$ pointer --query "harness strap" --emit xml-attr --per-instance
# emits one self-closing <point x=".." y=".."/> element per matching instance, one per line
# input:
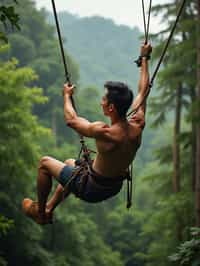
<point x="105" y="181"/>
<point x="129" y="187"/>
<point x="79" y="171"/>
<point x="84" y="171"/>
<point x="83" y="178"/>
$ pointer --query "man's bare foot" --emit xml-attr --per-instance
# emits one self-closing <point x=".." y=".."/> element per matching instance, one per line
<point x="30" y="208"/>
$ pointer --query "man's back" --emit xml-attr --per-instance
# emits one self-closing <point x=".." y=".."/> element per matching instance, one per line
<point x="114" y="155"/>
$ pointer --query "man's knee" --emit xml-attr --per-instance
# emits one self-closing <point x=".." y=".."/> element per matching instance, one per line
<point x="44" y="161"/>
<point x="70" y="162"/>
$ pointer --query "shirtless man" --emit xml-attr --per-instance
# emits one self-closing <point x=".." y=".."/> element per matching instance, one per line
<point x="116" y="145"/>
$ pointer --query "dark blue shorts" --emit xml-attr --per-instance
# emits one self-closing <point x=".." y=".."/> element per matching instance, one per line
<point x="91" y="193"/>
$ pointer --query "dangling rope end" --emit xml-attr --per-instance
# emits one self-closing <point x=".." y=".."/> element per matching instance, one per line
<point x="129" y="187"/>
<point x="129" y="204"/>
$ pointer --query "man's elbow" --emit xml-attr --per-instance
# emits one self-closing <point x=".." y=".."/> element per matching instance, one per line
<point x="141" y="117"/>
<point x="71" y="122"/>
<point x="142" y="124"/>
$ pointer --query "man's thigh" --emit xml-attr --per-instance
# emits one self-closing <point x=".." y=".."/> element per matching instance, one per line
<point x="70" y="162"/>
<point x="53" y="166"/>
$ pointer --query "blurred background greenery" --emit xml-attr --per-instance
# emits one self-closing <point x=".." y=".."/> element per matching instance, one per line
<point x="166" y="171"/>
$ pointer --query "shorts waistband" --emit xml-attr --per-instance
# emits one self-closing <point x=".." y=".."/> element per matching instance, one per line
<point x="106" y="181"/>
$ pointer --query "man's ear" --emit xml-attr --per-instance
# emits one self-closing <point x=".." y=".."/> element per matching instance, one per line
<point x="111" y="107"/>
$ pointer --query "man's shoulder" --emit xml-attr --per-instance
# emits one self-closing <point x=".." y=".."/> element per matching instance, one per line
<point x="138" y="119"/>
<point x="137" y="124"/>
<point x="99" y="128"/>
<point x="99" y="124"/>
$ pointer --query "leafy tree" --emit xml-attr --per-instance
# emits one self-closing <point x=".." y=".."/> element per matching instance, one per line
<point x="8" y="16"/>
<point x="18" y="163"/>
<point x="188" y="253"/>
<point x="92" y="42"/>
<point x="81" y="242"/>
<point x="41" y="51"/>
<point x="19" y="149"/>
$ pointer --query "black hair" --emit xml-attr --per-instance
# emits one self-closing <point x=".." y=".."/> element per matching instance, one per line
<point x="120" y="95"/>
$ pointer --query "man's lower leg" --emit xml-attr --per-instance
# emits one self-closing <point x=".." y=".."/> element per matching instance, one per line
<point x="57" y="198"/>
<point x="44" y="185"/>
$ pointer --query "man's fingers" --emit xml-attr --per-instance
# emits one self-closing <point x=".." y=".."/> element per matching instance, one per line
<point x="68" y="89"/>
<point x="70" y="86"/>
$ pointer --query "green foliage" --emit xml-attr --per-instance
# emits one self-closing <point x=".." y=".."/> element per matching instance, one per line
<point x="167" y="215"/>
<point x="92" y="42"/>
<point x="189" y="251"/>
<point x="71" y="246"/>
<point x="85" y="234"/>
<point x="81" y="242"/>
<point x="179" y="65"/>
<point x="5" y="225"/>
<point x="41" y="51"/>
<point x="123" y="234"/>
<point x="19" y="149"/>
<point x="8" y="15"/>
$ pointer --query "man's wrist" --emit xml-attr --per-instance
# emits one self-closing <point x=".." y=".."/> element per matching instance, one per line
<point x="141" y="58"/>
<point x="66" y="95"/>
<point x="147" y="57"/>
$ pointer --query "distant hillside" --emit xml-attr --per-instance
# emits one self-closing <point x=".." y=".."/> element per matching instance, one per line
<point x="104" y="50"/>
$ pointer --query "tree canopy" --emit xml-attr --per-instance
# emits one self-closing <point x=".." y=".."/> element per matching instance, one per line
<point x="161" y="228"/>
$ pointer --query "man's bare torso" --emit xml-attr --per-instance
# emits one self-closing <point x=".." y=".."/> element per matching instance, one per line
<point x="114" y="156"/>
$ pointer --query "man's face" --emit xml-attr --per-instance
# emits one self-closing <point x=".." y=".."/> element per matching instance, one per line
<point x="106" y="107"/>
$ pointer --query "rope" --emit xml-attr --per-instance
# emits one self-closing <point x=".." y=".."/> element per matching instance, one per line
<point x="84" y="148"/>
<point x="146" y="26"/>
<point x="61" y="43"/>
<point x="161" y="58"/>
<point x="129" y="186"/>
<point x="67" y="76"/>
<point x="146" y="30"/>
<point x="149" y="17"/>
<point x="167" y="43"/>
<point x="144" y="21"/>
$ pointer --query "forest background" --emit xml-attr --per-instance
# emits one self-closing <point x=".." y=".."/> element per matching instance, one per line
<point x="162" y="228"/>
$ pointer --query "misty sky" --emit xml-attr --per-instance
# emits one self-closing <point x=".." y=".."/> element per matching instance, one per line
<point x="128" y="12"/>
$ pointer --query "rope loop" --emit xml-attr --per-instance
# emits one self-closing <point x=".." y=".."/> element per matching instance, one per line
<point x="146" y="25"/>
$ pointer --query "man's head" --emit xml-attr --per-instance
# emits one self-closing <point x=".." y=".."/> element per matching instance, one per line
<point x="118" y="98"/>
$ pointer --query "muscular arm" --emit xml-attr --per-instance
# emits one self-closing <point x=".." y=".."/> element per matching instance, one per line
<point x="81" y="125"/>
<point x="143" y="87"/>
<point x="69" y="112"/>
<point x="139" y="104"/>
